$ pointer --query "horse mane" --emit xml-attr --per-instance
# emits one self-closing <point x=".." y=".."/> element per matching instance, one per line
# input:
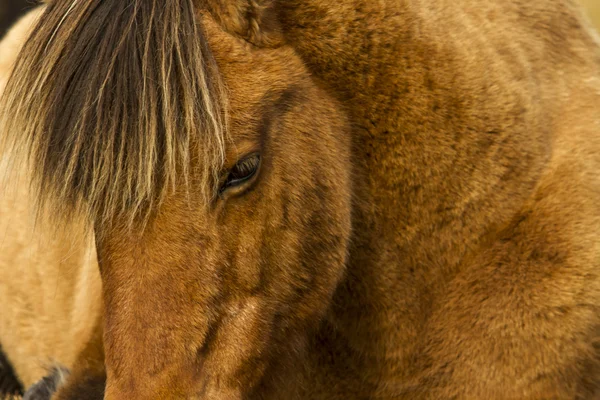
<point x="110" y="101"/>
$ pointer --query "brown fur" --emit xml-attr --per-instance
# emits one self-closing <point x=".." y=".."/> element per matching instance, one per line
<point x="424" y="224"/>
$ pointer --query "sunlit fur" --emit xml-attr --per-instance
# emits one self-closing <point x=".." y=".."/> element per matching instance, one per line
<point x="424" y="224"/>
<point x="49" y="279"/>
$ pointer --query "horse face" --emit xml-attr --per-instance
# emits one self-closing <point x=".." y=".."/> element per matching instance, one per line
<point x="209" y="299"/>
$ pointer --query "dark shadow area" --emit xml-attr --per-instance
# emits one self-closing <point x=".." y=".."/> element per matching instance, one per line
<point x="11" y="10"/>
<point x="9" y="384"/>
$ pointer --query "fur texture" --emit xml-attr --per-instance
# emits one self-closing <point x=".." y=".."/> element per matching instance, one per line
<point x="424" y="223"/>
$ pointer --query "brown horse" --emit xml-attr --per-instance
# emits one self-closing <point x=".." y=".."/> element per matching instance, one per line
<point x="319" y="199"/>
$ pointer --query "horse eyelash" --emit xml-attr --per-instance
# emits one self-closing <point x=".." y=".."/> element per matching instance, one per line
<point x="247" y="165"/>
<point x="246" y="168"/>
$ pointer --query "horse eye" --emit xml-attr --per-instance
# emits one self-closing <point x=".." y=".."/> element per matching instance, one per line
<point x="242" y="172"/>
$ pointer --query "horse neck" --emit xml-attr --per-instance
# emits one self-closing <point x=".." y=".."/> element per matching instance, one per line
<point x="449" y="144"/>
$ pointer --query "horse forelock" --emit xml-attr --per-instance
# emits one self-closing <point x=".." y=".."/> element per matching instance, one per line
<point x="110" y="101"/>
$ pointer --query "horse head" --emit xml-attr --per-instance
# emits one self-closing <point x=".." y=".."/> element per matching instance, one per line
<point x="216" y="174"/>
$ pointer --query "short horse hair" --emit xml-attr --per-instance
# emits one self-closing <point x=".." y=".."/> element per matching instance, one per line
<point x="111" y="100"/>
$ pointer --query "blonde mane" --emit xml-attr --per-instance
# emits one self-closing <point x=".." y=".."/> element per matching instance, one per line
<point x="111" y="101"/>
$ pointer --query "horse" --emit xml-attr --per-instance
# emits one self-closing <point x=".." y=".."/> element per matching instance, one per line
<point x="316" y="199"/>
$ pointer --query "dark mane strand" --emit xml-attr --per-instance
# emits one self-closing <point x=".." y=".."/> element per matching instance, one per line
<point x="108" y="98"/>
